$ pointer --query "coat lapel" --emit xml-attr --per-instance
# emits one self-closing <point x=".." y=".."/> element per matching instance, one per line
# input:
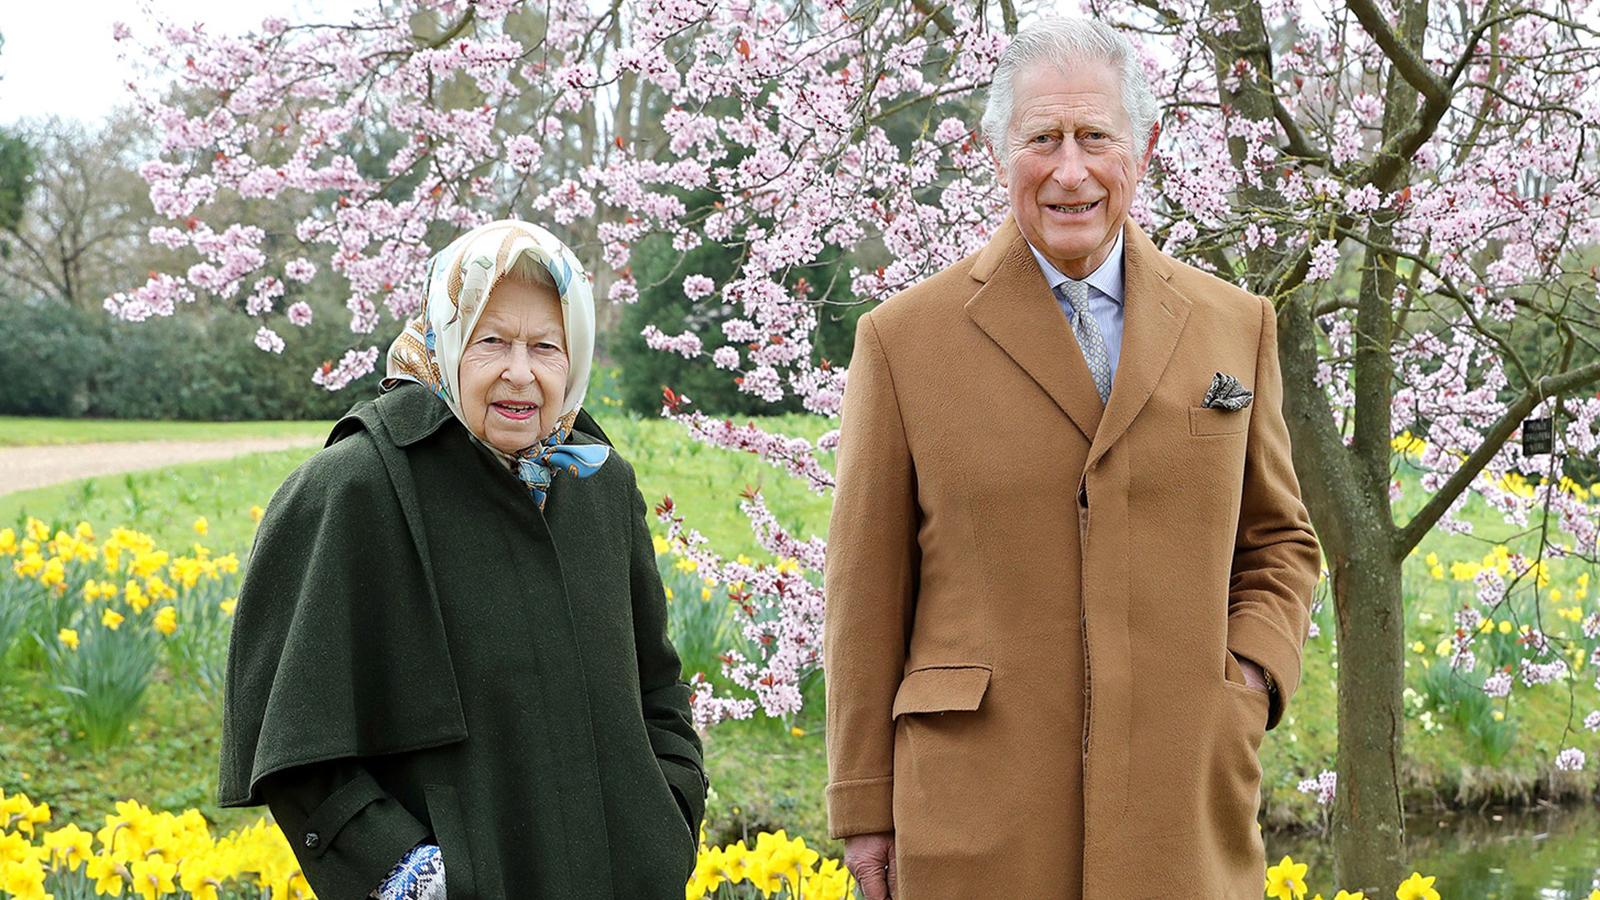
<point x="1154" y="314"/>
<point x="1017" y="310"/>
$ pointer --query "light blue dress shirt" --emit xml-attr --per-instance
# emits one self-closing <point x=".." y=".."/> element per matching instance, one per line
<point x="1105" y="297"/>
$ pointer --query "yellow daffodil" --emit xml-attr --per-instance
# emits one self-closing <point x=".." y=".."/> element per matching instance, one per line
<point x="36" y="530"/>
<point x="158" y="589"/>
<point x="54" y="574"/>
<point x="166" y="620"/>
<point x="68" y="637"/>
<point x="201" y="526"/>
<point x="227" y="606"/>
<point x="28" y="565"/>
<point x="1287" y="880"/>
<point x="256" y="512"/>
<point x="23" y="880"/>
<point x="1346" y="895"/>
<point x="136" y="597"/>
<point x="660" y="544"/>
<point x="70" y="845"/>
<point x="1417" y="888"/>
<point x="1505" y="626"/>
<point x="112" y="619"/>
<point x="108" y="875"/>
<point x="154" y="877"/>
<point x="8" y="542"/>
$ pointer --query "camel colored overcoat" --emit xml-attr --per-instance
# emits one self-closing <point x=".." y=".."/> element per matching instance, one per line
<point x="1035" y="603"/>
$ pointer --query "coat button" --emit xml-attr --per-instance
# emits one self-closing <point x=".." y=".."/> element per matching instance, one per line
<point x="312" y="840"/>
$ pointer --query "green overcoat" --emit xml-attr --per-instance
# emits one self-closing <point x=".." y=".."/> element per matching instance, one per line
<point x="421" y="653"/>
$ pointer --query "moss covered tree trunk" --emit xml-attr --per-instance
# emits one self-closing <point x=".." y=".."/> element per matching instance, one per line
<point x="1368" y="820"/>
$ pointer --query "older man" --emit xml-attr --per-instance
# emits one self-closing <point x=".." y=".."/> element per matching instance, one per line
<point x="1069" y="571"/>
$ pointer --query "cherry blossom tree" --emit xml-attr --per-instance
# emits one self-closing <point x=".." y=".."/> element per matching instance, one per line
<point x="1414" y="187"/>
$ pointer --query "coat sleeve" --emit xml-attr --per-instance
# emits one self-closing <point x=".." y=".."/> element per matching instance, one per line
<point x="346" y="831"/>
<point x="870" y="585"/>
<point x="1276" y="559"/>
<point x="663" y="693"/>
<point x="338" y="648"/>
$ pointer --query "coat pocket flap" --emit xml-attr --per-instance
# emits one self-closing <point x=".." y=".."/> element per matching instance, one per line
<point x="930" y="689"/>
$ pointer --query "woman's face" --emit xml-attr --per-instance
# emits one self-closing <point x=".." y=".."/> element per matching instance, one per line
<point x="514" y="370"/>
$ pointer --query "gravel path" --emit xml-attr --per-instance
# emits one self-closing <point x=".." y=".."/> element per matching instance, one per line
<point x="25" y="468"/>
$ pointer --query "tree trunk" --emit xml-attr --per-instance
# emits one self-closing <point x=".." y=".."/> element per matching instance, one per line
<point x="1368" y="822"/>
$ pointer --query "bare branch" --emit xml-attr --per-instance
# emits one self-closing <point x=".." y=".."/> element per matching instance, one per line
<point x="1410" y="66"/>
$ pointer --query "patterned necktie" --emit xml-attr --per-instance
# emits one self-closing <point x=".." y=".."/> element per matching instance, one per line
<point x="1087" y="331"/>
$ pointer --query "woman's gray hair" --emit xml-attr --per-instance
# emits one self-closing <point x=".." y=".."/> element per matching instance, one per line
<point x="1063" y="42"/>
<point x="528" y="269"/>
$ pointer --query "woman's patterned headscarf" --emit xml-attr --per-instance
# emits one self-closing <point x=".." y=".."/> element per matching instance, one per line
<point x="460" y="278"/>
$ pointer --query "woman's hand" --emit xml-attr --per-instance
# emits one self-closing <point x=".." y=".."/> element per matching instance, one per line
<point x="870" y="858"/>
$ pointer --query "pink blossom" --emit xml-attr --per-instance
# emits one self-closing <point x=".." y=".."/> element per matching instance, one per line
<point x="698" y="286"/>
<point x="299" y="314"/>
<point x="1497" y="685"/>
<point x="523" y="152"/>
<point x="268" y="340"/>
<point x="301" y="270"/>
<point x="1323" y="787"/>
<point x="1324" y="257"/>
<point x="354" y="364"/>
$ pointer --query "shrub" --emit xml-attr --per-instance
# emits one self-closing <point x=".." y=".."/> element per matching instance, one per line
<point x="58" y="361"/>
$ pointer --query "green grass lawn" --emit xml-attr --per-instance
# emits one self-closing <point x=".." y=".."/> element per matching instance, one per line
<point x="764" y="776"/>
<point x="704" y="483"/>
<point x="28" y="432"/>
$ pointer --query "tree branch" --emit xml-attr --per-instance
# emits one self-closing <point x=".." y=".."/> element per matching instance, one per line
<point x="1410" y="66"/>
<point x="450" y="33"/>
<point x="1298" y="144"/>
<point x="1547" y="387"/>
<point x="939" y="14"/>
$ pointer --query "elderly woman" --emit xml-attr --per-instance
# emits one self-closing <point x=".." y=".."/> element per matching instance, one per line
<point x="450" y="659"/>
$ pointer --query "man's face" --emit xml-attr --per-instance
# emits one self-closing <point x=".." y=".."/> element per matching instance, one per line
<point x="1071" y="161"/>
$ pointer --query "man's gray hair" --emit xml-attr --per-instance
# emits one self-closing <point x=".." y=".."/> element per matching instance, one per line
<point x="1066" y="42"/>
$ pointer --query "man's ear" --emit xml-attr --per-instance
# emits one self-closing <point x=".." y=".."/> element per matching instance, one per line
<point x="1150" y="147"/>
<point x="999" y="167"/>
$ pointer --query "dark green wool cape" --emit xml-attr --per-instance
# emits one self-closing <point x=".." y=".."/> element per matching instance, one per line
<point x="420" y="653"/>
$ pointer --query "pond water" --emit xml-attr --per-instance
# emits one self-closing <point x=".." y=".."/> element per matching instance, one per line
<point x="1550" y="854"/>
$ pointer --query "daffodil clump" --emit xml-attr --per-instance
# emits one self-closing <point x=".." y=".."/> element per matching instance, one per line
<point x="141" y="853"/>
<point x="98" y="616"/>
<point x="1287" y="881"/>
<point x="777" y="866"/>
